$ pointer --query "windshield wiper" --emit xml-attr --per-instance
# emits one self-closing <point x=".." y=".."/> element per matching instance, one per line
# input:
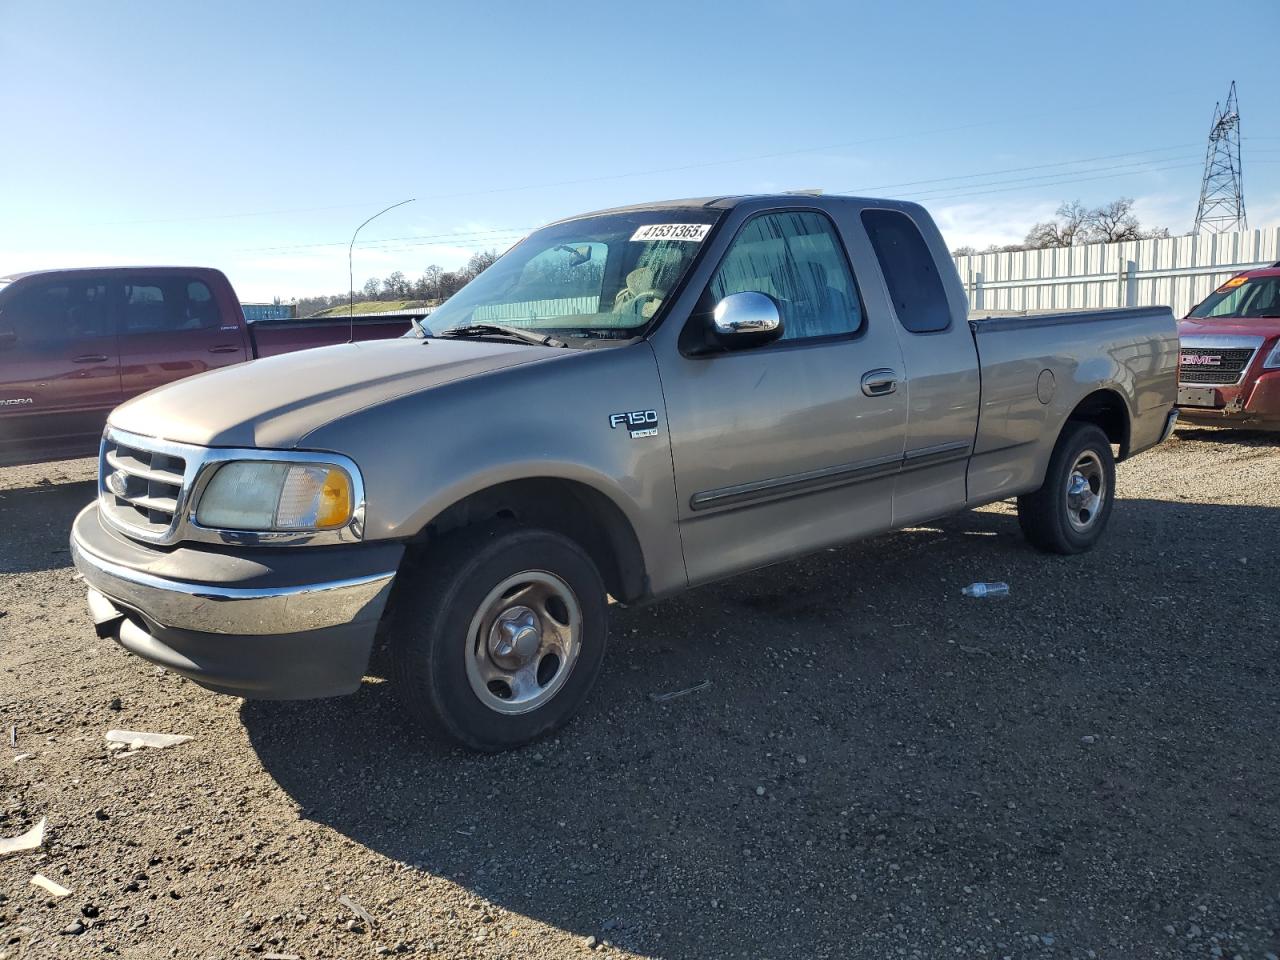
<point x="468" y="330"/>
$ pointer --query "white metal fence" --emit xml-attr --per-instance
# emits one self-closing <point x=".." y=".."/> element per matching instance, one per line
<point x="1179" y="272"/>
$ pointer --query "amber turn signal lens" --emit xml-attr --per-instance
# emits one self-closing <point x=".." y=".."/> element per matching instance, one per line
<point x="335" y="500"/>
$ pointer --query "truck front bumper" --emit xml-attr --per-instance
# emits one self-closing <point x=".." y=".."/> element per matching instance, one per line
<point x="283" y="623"/>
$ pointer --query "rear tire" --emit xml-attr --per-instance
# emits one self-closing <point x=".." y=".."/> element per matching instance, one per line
<point x="1070" y="510"/>
<point x="498" y="635"/>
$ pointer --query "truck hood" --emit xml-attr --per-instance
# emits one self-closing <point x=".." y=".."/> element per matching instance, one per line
<point x="274" y="403"/>
<point x="1230" y="326"/>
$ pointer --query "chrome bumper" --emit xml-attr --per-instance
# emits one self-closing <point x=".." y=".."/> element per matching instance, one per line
<point x="257" y="611"/>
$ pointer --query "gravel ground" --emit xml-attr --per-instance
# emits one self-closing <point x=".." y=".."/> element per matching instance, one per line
<point x="879" y="767"/>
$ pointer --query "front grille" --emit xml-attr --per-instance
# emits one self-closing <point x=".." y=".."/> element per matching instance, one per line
<point x="141" y="487"/>
<point x="1229" y="367"/>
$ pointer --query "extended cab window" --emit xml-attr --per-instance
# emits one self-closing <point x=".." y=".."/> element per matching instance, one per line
<point x="797" y="259"/>
<point x="167" y="304"/>
<point x="909" y="271"/>
<point x="58" y="310"/>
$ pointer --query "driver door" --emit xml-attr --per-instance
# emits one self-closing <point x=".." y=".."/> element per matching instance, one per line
<point x="777" y="449"/>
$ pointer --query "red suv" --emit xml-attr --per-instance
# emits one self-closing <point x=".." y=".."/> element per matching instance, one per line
<point x="1229" y="371"/>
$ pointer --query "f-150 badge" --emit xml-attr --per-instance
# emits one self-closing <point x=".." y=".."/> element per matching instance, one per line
<point x="639" y="423"/>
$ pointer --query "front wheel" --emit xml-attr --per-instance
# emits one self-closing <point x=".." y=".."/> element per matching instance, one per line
<point x="498" y="635"/>
<point x="1070" y="510"/>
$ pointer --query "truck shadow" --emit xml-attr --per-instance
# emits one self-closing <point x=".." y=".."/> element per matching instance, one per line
<point x="870" y="739"/>
<point x="38" y="518"/>
<point x="1229" y="435"/>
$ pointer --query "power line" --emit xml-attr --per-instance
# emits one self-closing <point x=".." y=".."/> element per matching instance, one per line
<point x="498" y="234"/>
<point x="634" y="173"/>
<point x="1038" y="166"/>
<point x="1106" y="176"/>
<point x="1050" y="179"/>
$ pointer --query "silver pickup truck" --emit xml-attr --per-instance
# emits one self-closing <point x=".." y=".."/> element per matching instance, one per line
<point x="627" y="404"/>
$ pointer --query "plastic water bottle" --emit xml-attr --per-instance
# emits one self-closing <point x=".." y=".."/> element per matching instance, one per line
<point x="986" y="590"/>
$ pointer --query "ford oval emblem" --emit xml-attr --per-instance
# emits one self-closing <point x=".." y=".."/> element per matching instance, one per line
<point x="117" y="482"/>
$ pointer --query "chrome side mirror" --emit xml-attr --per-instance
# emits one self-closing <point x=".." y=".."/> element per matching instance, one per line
<point x="746" y="319"/>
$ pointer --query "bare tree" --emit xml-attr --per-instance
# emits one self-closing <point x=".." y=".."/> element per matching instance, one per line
<point x="1115" y="222"/>
<point x="396" y="286"/>
<point x="1110" y="223"/>
<point x="429" y="283"/>
<point x="479" y="263"/>
<point x="1062" y="232"/>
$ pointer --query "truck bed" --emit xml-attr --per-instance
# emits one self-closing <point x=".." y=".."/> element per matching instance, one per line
<point x="1032" y="366"/>
<point x="272" y="337"/>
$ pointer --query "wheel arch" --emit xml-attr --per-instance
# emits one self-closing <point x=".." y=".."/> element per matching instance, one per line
<point x="1107" y="409"/>
<point x="573" y="508"/>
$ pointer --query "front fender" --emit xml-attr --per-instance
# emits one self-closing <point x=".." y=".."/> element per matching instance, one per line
<point x="420" y="454"/>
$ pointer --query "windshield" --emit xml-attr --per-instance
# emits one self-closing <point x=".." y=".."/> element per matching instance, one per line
<point x="600" y="277"/>
<point x="1242" y="297"/>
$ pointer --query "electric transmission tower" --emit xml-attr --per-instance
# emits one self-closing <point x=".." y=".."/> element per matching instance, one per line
<point x="1222" y="189"/>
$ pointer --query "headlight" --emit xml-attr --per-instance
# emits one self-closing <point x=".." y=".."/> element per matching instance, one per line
<point x="267" y="495"/>
<point x="1273" y="358"/>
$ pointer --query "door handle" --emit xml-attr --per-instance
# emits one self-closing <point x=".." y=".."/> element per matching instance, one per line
<point x="224" y="348"/>
<point x="879" y="383"/>
<point x="90" y="358"/>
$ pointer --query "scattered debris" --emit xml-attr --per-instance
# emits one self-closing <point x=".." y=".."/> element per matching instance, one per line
<point x="358" y="910"/>
<point x="49" y="887"/>
<point x="21" y="756"/>
<point x="115" y="704"/>
<point x="30" y="840"/>
<point x="986" y="590"/>
<point x="74" y="928"/>
<point x="1089" y="738"/>
<point x="664" y="697"/>
<point x="136" y="740"/>
<point x="974" y="650"/>
<point x="280" y="956"/>
<point x="13" y="736"/>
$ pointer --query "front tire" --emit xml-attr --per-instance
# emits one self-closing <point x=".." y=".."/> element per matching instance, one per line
<point x="498" y="635"/>
<point x="1070" y="510"/>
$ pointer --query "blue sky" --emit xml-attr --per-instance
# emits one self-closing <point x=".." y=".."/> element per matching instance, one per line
<point x="254" y="137"/>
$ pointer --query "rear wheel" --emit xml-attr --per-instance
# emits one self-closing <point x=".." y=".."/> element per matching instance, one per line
<point x="499" y="635"/>
<point x="1070" y="511"/>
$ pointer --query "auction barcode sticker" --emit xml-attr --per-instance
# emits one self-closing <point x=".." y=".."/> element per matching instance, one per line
<point x="693" y="232"/>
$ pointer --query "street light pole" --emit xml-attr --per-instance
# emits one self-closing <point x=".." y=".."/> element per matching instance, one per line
<point x="351" y="277"/>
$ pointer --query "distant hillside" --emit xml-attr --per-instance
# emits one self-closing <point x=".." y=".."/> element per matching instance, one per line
<point x="372" y="306"/>
<point x="398" y="292"/>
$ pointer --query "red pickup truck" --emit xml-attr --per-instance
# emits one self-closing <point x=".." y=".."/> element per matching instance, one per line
<point x="1229" y="368"/>
<point x="76" y="343"/>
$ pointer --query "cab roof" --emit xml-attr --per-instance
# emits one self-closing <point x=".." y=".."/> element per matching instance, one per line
<point x="9" y="278"/>
<point x="728" y="202"/>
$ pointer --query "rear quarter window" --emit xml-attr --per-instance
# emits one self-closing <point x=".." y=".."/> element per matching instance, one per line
<point x="167" y="304"/>
<point x="910" y="272"/>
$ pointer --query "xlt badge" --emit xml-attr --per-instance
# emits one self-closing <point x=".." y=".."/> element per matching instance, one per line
<point x="639" y="423"/>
